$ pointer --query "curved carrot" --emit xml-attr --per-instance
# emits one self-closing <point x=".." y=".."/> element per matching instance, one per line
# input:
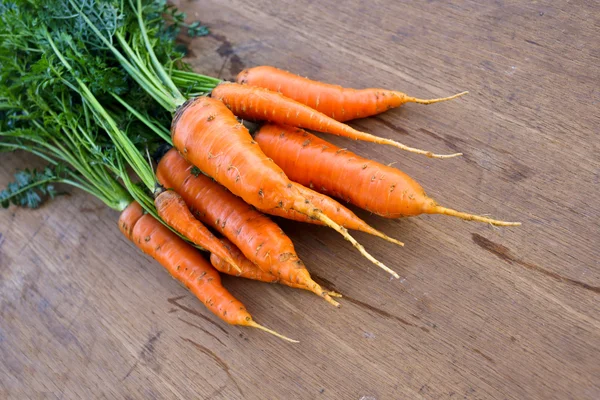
<point x="259" y="238"/>
<point x="250" y="270"/>
<point x="173" y="210"/>
<point x="186" y="265"/>
<point x="256" y="103"/>
<point x="337" y="102"/>
<point x="340" y="214"/>
<point x="375" y="187"/>
<point x="209" y="136"/>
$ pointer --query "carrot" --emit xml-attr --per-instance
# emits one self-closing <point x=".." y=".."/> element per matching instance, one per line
<point x="173" y="210"/>
<point x="375" y="187"/>
<point x="339" y="103"/>
<point x="259" y="238"/>
<point x="210" y="137"/>
<point x="340" y="214"/>
<point x="256" y="103"/>
<point x="251" y="270"/>
<point x="186" y="265"/>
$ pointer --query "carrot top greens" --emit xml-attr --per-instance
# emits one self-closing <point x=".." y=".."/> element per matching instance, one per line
<point x="61" y="74"/>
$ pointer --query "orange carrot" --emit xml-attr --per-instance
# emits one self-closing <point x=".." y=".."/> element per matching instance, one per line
<point x="375" y="187"/>
<point x="256" y="103"/>
<point x="251" y="270"/>
<point x="210" y="137"/>
<point x="339" y="103"/>
<point x="259" y="238"/>
<point x="340" y="214"/>
<point x="186" y="265"/>
<point x="173" y="210"/>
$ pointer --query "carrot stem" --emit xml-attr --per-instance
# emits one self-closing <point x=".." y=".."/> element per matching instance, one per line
<point x="469" y="217"/>
<point x="253" y="324"/>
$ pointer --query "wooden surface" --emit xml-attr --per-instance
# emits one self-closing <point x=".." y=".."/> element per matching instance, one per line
<point x="482" y="313"/>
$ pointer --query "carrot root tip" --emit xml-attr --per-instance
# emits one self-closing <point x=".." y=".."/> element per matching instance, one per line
<point x="418" y="151"/>
<point x="327" y="221"/>
<point x="432" y="101"/>
<point x="253" y="324"/>
<point x="389" y="239"/>
<point x="325" y="294"/>
<point x="331" y="301"/>
<point x="470" y="217"/>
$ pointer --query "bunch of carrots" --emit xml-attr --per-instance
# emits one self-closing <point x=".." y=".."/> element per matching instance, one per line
<point x="213" y="189"/>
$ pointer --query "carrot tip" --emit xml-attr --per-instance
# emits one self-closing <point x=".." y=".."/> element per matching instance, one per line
<point x="342" y="231"/>
<point x="390" y="239"/>
<point x="318" y="290"/>
<point x="444" y="156"/>
<point x="470" y="217"/>
<point x="418" y="151"/>
<point x="432" y="101"/>
<point x="253" y="324"/>
<point x="372" y="231"/>
<point x="330" y="300"/>
<point x="334" y="294"/>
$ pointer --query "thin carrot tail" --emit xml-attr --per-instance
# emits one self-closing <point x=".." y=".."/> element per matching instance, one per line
<point x="372" y="231"/>
<point x="334" y="294"/>
<point x="344" y="232"/>
<point x="469" y="217"/>
<point x="253" y="324"/>
<point x="409" y="99"/>
<point x="318" y="290"/>
<point x="415" y="150"/>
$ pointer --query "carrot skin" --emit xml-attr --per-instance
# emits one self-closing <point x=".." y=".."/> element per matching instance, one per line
<point x="173" y="210"/>
<point x="336" y="211"/>
<point x="378" y="188"/>
<point x="316" y="163"/>
<point x="183" y="262"/>
<point x="255" y="103"/>
<point x="259" y="238"/>
<point x="249" y="270"/>
<point x="210" y="137"/>
<point x="337" y="102"/>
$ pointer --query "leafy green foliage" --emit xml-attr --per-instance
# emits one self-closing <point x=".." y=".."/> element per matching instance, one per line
<point x="31" y="187"/>
<point x="48" y="50"/>
<point x="171" y="22"/>
<point x="195" y="171"/>
<point x="195" y="29"/>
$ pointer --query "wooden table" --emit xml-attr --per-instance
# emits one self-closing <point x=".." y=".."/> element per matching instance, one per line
<point x="482" y="312"/>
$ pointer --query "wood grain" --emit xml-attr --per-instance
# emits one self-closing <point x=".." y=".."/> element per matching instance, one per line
<point x="482" y="313"/>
